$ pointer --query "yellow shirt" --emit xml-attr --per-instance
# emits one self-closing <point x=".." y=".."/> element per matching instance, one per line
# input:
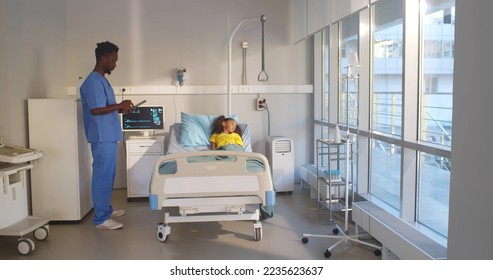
<point x="223" y="139"/>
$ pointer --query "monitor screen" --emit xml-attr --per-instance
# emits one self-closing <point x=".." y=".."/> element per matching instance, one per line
<point x="144" y="118"/>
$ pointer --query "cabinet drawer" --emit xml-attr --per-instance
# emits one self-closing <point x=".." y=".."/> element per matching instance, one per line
<point x="145" y="147"/>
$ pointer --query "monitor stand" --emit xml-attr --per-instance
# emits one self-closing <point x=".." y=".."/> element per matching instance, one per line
<point x="143" y="135"/>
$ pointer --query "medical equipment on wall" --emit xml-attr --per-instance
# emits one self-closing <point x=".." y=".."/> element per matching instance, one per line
<point x="180" y="76"/>
<point x="244" y="46"/>
<point x="14" y="218"/>
<point x="262" y="19"/>
<point x="262" y="76"/>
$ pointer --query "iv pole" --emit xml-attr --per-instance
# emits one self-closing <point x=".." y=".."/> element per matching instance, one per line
<point x="349" y="145"/>
<point x="262" y="19"/>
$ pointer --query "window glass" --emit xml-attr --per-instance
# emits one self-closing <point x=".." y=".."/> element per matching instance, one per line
<point x="349" y="41"/>
<point x="325" y="99"/>
<point x="438" y="24"/>
<point x="385" y="172"/>
<point x="387" y="67"/>
<point x="433" y="192"/>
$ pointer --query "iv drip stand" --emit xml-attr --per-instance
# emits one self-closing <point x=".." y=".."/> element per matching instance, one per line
<point x="345" y="236"/>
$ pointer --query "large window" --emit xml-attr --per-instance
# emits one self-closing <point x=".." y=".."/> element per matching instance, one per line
<point x="404" y="128"/>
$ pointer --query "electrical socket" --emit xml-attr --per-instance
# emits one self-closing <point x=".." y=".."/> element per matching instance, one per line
<point x="72" y="91"/>
<point x="260" y="103"/>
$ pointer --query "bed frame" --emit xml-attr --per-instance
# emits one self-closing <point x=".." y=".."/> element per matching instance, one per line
<point x="211" y="190"/>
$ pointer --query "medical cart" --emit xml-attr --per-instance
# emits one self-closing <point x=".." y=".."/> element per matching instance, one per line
<point x="14" y="218"/>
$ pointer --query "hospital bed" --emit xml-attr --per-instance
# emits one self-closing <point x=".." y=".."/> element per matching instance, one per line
<point x="205" y="186"/>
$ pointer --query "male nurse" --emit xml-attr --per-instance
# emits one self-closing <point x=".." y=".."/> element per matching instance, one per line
<point x="103" y="131"/>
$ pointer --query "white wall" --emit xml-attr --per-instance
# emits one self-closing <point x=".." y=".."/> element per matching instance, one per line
<point x="156" y="37"/>
<point x="313" y="15"/>
<point x="32" y="60"/>
<point x="471" y="191"/>
<point x="47" y="44"/>
<point x="4" y="105"/>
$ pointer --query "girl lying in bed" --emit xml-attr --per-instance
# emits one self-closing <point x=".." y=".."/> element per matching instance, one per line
<point x="226" y="134"/>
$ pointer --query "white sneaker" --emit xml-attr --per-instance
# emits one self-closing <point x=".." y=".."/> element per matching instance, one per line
<point x="110" y="224"/>
<point x="117" y="213"/>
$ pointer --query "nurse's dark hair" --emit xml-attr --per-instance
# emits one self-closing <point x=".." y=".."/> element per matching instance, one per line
<point x="105" y="48"/>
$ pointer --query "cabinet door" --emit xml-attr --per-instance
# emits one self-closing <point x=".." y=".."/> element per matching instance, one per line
<point x="139" y="171"/>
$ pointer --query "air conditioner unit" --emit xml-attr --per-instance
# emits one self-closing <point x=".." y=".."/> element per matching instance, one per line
<point x="280" y="153"/>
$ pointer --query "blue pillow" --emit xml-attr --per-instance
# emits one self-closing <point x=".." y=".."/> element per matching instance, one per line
<point x="196" y="129"/>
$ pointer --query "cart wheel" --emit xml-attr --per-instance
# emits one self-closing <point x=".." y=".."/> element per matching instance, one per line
<point x="257" y="234"/>
<point x="335" y="231"/>
<point x="25" y="246"/>
<point x="41" y="233"/>
<point x="327" y="254"/>
<point x="304" y="240"/>
<point x="163" y="231"/>
<point x="377" y="253"/>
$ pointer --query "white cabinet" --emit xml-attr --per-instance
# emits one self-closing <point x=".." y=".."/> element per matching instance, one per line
<point x="61" y="181"/>
<point x="141" y="155"/>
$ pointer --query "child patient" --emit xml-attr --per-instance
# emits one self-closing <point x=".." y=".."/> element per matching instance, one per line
<point x="225" y="132"/>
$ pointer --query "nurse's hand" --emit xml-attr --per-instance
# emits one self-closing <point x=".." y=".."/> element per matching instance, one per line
<point x="126" y="106"/>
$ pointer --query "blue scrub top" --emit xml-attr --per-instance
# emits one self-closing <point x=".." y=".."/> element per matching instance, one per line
<point x="96" y="92"/>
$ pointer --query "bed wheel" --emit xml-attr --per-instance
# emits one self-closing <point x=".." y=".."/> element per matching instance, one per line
<point x="25" y="246"/>
<point x="257" y="231"/>
<point x="258" y="234"/>
<point x="41" y="233"/>
<point x="163" y="230"/>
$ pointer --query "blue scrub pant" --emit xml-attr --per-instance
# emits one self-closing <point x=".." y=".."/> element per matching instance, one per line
<point x="103" y="177"/>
